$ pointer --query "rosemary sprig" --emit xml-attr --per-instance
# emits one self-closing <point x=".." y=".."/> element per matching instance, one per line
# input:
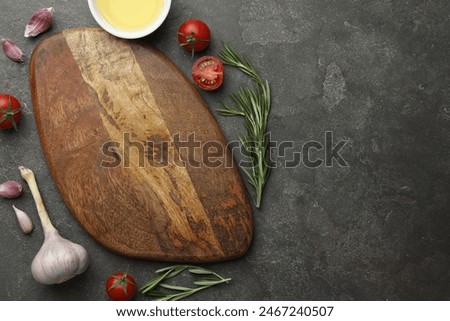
<point x="254" y="105"/>
<point x="161" y="291"/>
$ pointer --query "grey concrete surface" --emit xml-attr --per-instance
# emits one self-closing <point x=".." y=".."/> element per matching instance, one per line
<point x="375" y="73"/>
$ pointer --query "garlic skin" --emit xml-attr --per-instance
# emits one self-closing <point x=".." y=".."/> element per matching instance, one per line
<point x="24" y="221"/>
<point x="40" y="22"/>
<point x="12" y="51"/>
<point x="58" y="260"/>
<point x="10" y="189"/>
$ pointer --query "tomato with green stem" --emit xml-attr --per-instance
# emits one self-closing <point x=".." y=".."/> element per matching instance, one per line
<point x="10" y="111"/>
<point x="121" y="286"/>
<point x="194" y="35"/>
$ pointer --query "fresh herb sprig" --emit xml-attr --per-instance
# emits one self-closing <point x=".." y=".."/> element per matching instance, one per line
<point x="161" y="291"/>
<point x="254" y="105"/>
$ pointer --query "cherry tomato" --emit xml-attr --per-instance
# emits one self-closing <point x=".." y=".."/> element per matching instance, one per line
<point x="10" y="111"/>
<point x="121" y="286"/>
<point x="194" y="35"/>
<point x="207" y="72"/>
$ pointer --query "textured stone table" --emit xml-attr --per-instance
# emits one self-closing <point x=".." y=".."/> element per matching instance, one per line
<point x="373" y="74"/>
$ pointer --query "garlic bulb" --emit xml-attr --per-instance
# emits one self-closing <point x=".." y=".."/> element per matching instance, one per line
<point x="25" y="223"/>
<point x="59" y="259"/>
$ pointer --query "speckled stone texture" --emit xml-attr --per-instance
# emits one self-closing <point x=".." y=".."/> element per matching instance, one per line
<point x="375" y="73"/>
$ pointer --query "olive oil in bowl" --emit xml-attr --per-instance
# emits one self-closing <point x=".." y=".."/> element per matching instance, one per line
<point x="130" y="18"/>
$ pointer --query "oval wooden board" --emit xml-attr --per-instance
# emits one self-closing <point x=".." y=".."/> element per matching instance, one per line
<point x="135" y="152"/>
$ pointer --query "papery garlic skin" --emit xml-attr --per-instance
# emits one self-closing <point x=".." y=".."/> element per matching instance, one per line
<point x="10" y="189"/>
<point x="40" y="22"/>
<point x="12" y="50"/>
<point x="58" y="260"/>
<point x="24" y="221"/>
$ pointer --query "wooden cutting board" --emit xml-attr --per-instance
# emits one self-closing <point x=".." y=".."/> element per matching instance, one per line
<point x="135" y="152"/>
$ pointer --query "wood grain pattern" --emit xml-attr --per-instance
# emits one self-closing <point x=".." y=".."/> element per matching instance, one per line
<point x="101" y="101"/>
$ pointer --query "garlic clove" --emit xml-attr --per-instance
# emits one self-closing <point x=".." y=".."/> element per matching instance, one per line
<point x="10" y="189"/>
<point x="12" y="51"/>
<point x="58" y="260"/>
<point x="25" y="223"/>
<point x="40" y="22"/>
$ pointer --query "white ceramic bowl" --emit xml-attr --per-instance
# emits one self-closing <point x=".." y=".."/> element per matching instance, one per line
<point x="127" y="34"/>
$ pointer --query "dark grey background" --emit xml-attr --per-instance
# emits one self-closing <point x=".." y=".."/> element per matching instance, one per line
<point x="375" y="73"/>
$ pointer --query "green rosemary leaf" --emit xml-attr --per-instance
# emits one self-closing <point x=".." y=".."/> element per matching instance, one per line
<point x="157" y="289"/>
<point x="156" y="294"/>
<point x="176" y="270"/>
<point x="210" y="282"/>
<point x="174" y="287"/>
<point x="200" y="271"/>
<point x="153" y="283"/>
<point x="165" y="273"/>
<point x="179" y="296"/>
<point x="230" y="111"/>
<point x="230" y="57"/>
<point x="250" y="177"/>
<point x="254" y="105"/>
<point x="172" y="267"/>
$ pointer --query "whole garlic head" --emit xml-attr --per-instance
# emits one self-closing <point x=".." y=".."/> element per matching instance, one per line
<point x="58" y="260"/>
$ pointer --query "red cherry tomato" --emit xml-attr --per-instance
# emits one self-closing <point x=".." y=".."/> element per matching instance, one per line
<point x="194" y="35"/>
<point x="10" y="111"/>
<point x="121" y="286"/>
<point x="207" y="72"/>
